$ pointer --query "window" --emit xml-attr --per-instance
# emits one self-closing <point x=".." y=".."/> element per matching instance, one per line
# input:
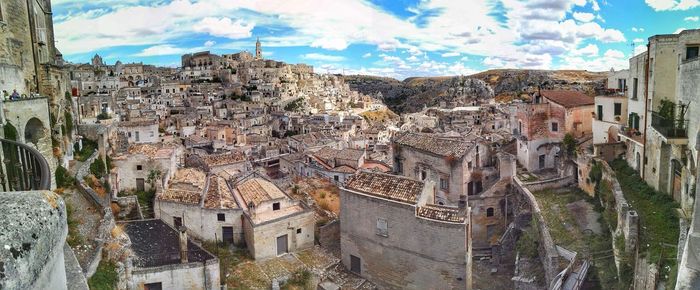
<point x="276" y="206"/>
<point x="299" y="231"/>
<point x="691" y="52"/>
<point x="444" y="183"/>
<point x="599" y="115"/>
<point x="489" y="212"/>
<point x="635" y="83"/>
<point x="139" y="167"/>
<point x="177" y="221"/>
<point x="221" y="217"/>
<point x="336" y="178"/>
<point x="382" y="227"/>
<point x="618" y="109"/>
<point x="423" y="175"/>
<point x="555" y="127"/>
<point x="355" y="265"/>
<point x="137" y="136"/>
<point x="153" y="286"/>
<point x="469" y="164"/>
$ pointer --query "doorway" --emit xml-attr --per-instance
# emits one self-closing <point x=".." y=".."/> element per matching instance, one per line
<point x="227" y="235"/>
<point x="355" y="265"/>
<point x="282" y="245"/>
<point x="140" y="184"/>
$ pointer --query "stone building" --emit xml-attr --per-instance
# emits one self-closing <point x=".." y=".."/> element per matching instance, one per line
<point x="204" y="204"/>
<point x="273" y="223"/>
<point x="393" y="234"/>
<point x="132" y="169"/>
<point x="140" y="131"/>
<point x="668" y="160"/>
<point x="449" y="162"/>
<point x="610" y="117"/>
<point x="542" y="125"/>
<point x="634" y="131"/>
<point x="165" y="258"/>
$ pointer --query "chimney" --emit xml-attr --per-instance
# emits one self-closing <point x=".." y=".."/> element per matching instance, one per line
<point x="183" y="244"/>
<point x="462" y="201"/>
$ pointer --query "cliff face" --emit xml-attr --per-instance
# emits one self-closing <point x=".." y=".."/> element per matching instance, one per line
<point x="412" y="94"/>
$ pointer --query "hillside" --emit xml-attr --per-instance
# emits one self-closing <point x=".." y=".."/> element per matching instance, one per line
<point x="412" y="94"/>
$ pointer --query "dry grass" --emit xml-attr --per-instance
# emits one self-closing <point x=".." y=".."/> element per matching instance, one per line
<point x="115" y="208"/>
<point x="117" y="231"/>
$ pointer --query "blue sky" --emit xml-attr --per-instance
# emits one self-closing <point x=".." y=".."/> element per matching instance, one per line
<point x="396" y="38"/>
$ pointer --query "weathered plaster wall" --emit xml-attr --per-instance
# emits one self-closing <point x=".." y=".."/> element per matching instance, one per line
<point x="201" y="223"/>
<point x="417" y="253"/>
<point x="262" y="238"/>
<point x="179" y="276"/>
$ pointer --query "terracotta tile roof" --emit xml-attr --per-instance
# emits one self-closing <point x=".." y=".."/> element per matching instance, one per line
<point x="344" y="169"/>
<point x="151" y="150"/>
<point x="187" y="186"/>
<point x="138" y="123"/>
<point x="440" y="213"/>
<point x="387" y="186"/>
<point x="568" y="99"/>
<point x="224" y="159"/>
<point x="219" y="195"/>
<point x="433" y="144"/>
<point x="328" y="153"/>
<point x="257" y="190"/>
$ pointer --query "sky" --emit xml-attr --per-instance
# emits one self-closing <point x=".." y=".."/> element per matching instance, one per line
<point x="394" y="38"/>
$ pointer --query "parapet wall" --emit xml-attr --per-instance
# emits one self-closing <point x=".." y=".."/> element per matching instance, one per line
<point x="549" y="254"/>
<point x="33" y="234"/>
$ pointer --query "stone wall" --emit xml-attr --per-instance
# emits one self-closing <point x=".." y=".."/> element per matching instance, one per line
<point x="201" y="223"/>
<point x="179" y="276"/>
<point x="262" y="238"/>
<point x="549" y="255"/>
<point x="559" y="182"/>
<point x="329" y="235"/>
<point x="416" y="253"/>
<point x="33" y="236"/>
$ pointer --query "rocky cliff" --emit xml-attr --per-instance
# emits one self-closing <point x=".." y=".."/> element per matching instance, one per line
<point x="412" y="94"/>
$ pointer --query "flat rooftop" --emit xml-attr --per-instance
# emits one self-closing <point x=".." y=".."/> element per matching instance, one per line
<point x="156" y="244"/>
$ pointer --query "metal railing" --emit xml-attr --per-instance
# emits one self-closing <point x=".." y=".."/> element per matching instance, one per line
<point x="24" y="168"/>
<point x="670" y="128"/>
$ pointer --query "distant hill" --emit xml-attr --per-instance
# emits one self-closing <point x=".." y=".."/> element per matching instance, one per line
<point x="412" y="94"/>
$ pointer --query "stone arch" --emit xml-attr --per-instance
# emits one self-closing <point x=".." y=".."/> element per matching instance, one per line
<point x="34" y="131"/>
<point x="10" y="132"/>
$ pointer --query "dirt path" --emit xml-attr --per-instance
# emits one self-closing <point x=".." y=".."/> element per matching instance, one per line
<point x="86" y="219"/>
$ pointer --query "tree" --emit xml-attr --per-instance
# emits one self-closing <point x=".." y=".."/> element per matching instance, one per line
<point x="569" y="143"/>
<point x="153" y="175"/>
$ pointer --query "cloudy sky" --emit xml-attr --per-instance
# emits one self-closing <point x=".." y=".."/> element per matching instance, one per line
<point x="396" y="38"/>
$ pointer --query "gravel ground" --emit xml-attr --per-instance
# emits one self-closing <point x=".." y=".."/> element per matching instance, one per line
<point x="88" y="219"/>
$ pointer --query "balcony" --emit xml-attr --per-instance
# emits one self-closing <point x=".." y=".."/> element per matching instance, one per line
<point x="669" y="128"/>
<point x="23" y="168"/>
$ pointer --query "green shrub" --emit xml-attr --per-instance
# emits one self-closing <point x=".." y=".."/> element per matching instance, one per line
<point x="105" y="277"/>
<point x="63" y="177"/>
<point x="97" y="168"/>
<point x="68" y="122"/>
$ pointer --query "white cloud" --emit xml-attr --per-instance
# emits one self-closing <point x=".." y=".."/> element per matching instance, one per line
<point x="583" y="16"/>
<point x="450" y="54"/>
<point x="224" y="27"/>
<point x="366" y="55"/>
<point x="611" y="59"/>
<point x="662" y="5"/>
<point x="323" y="57"/>
<point x="588" y="50"/>
<point x="209" y="43"/>
<point x="638" y="40"/>
<point x="162" y="49"/>
<point x="639" y="49"/>
<point x="692" y="18"/>
<point x="679" y="30"/>
<point x="637" y="29"/>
